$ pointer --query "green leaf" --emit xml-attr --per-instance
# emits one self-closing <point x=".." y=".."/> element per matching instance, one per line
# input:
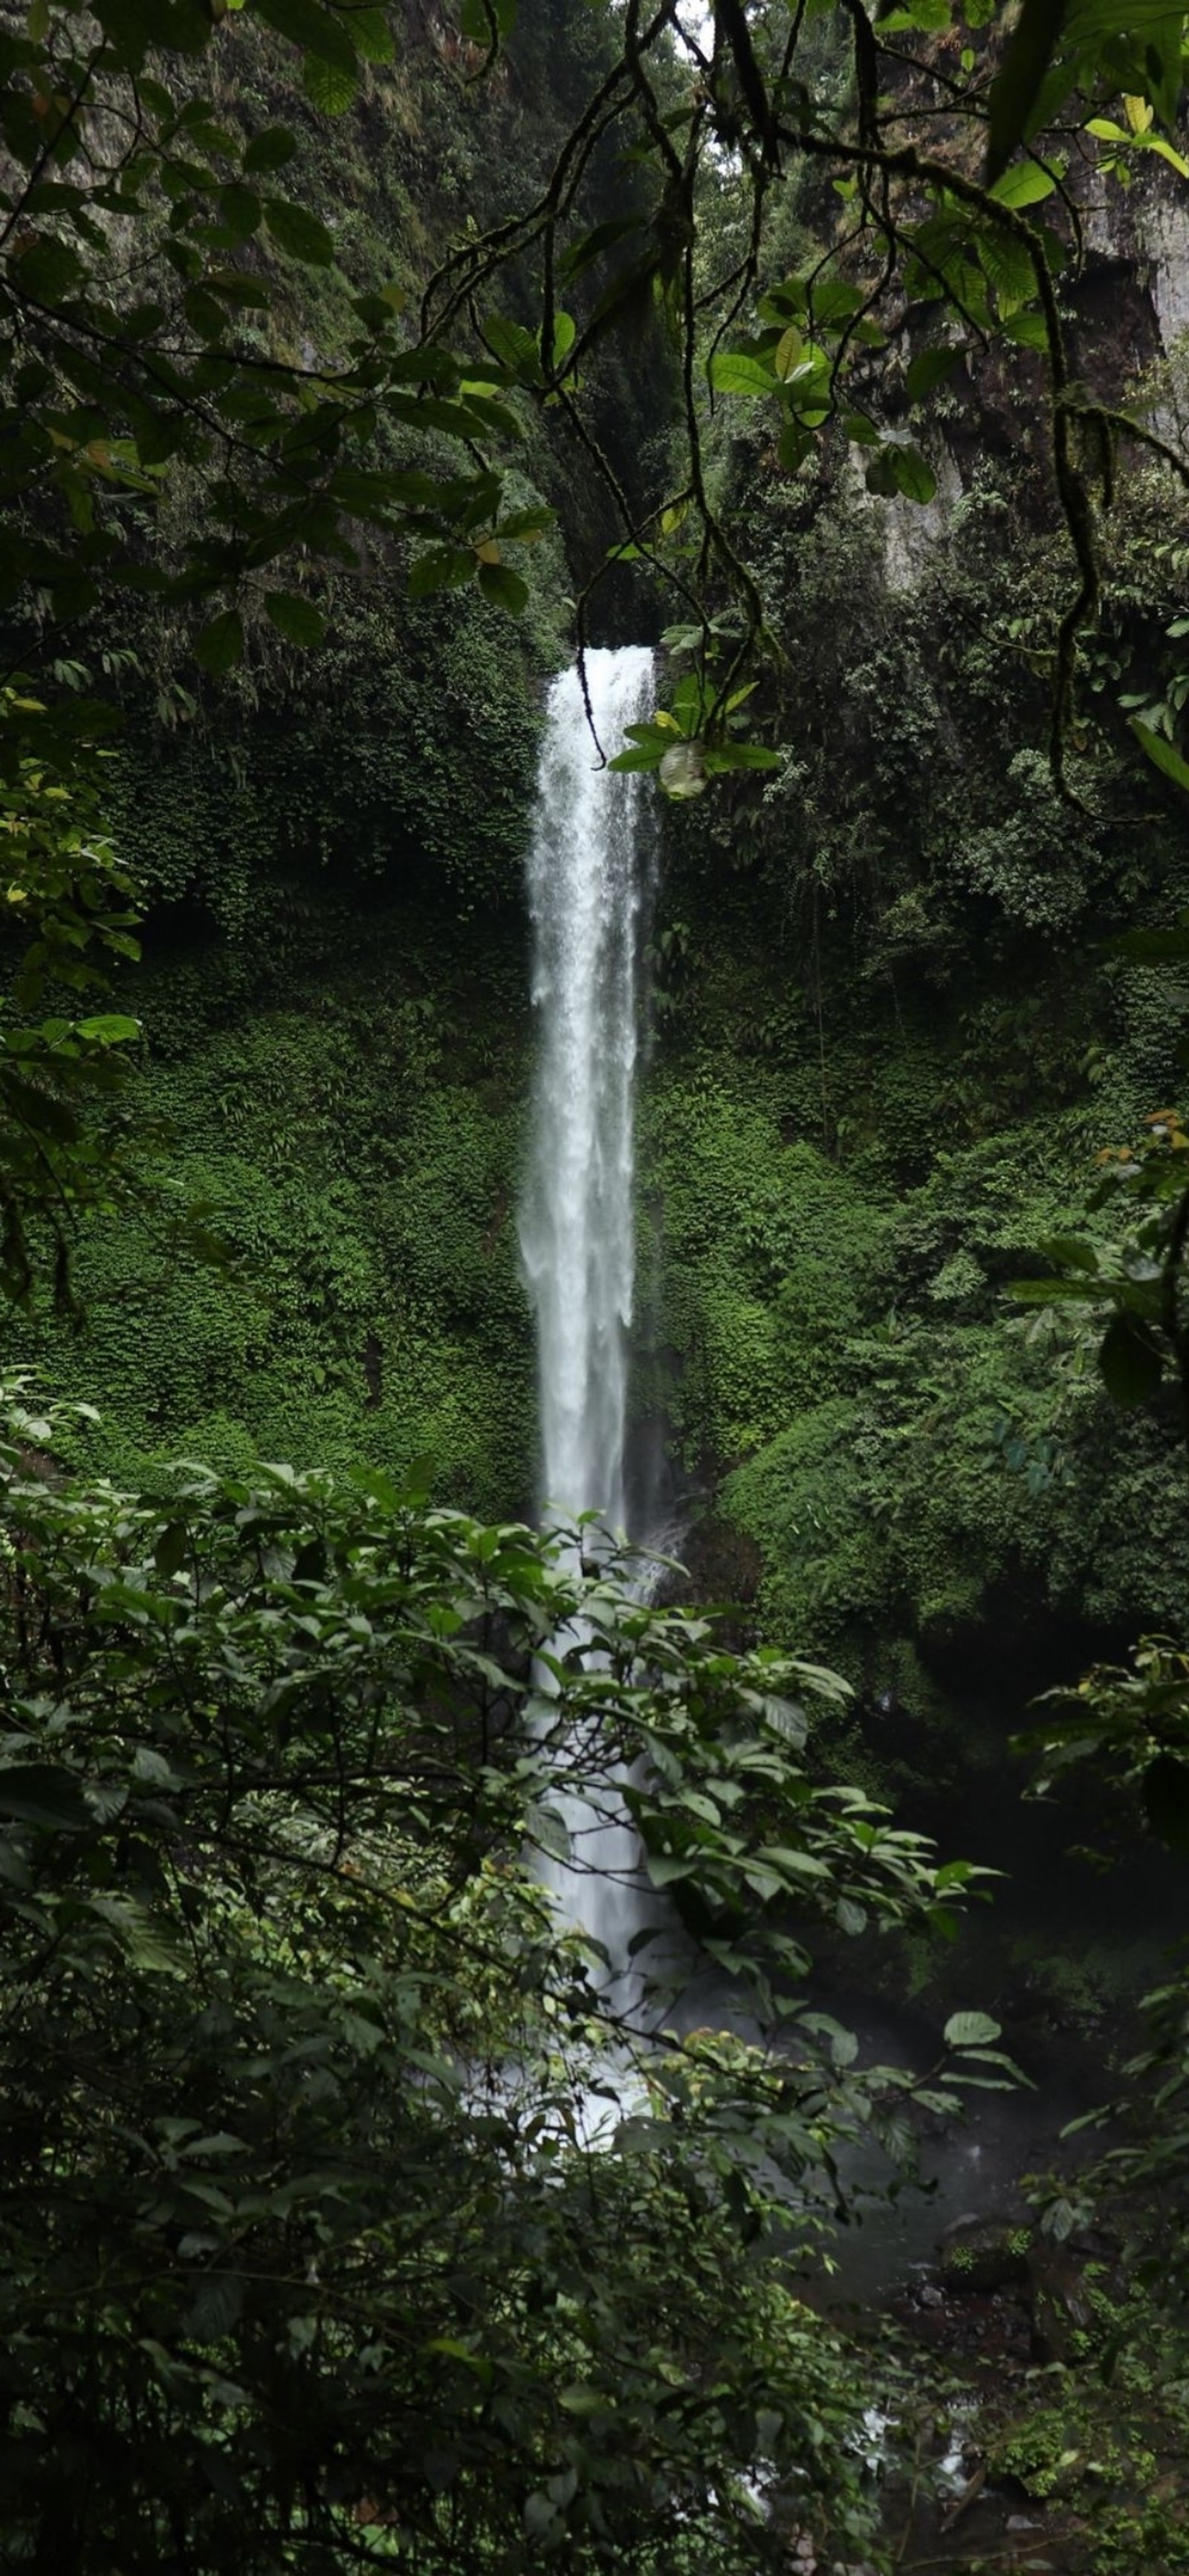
<point x="221" y="644"/>
<point x="1054" y="1292"/>
<point x="1025" y="184"/>
<point x="39" y="1793"/>
<point x="170" y="1550"/>
<point x="795" y="444"/>
<point x="316" y="29"/>
<point x="295" y="230"/>
<point x="540" y="2515"/>
<point x="1130" y="1360"/>
<point x="902" y="470"/>
<point x="503" y="587"/>
<point x="372" y="36"/>
<point x="109" y="1028"/>
<point x="521" y="527"/>
<point x="1017" y="84"/>
<point x="514" y="347"/>
<point x="330" y="87"/>
<point x="441" y="568"/>
<point x="270" y="149"/>
<point x="1069" y="1249"/>
<point x="1166" y="1800"/>
<point x="565" y="332"/>
<point x="740" y="755"/>
<point x="550" y="1832"/>
<point x="1026" y="329"/>
<point x="239" y="209"/>
<point x="732" y="371"/>
<point x="1152" y="947"/>
<point x="971" y="2030"/>
<point x="1158" y="143"/>
<point x="1161" y="752"/>
<point x="39" y="1110"/>
<point x="295" y="617"/>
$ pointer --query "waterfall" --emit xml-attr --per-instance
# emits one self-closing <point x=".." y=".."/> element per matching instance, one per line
<point x="587" y="888"/>
<point x="588" y="879"/>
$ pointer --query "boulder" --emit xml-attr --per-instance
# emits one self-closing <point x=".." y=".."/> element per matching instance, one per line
<point x="984" y="2254"/>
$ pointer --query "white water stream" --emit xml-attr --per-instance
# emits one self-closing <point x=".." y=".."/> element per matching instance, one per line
<point x="589" y="881"/>
<point x="588" y="886"/>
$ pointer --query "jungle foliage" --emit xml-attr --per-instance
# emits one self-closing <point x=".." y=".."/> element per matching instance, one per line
<point x="188" y="431"/>
<point x="350" y="2216"/>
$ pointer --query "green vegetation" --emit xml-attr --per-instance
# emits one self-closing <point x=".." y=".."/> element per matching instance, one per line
<point x="429" y="343"/>
<point x="308" y="2257"/>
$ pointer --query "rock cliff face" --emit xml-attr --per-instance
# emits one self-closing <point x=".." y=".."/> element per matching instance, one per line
<point x="1127" y="314"/>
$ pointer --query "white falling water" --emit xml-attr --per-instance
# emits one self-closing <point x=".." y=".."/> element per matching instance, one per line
<point x="588" y="886"/>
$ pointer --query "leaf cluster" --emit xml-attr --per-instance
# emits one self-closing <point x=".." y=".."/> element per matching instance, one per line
<point x="308" y="2250"/>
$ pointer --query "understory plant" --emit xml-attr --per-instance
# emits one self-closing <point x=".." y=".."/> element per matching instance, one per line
<point x="352" y="2214"/>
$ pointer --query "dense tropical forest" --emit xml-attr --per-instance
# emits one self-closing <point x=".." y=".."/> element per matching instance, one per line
<point x="739" y="454"/>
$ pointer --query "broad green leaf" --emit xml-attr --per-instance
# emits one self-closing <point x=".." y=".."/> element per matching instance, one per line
<point x="796" y="443"/>
<point x="1026" y="329"/>
<point x="514" y="347"/>
<point x="971" y="2030"/>
<point x="295" y="617"/>
<point x="110" y="1028"/>
<point x="221" y="644"/>
<point x="1166" y="1800"/>
<point x="330" y="87"/>
<point x="37" y="1109"/>
<point x="902" y="470"/>
<point x="1152" y="947"/>
<point x="441" y="568"/>
<point x="523" y="527"/>
<point x="1070" y="1249"/>
<point x="928" y="369"/>
<point x="1016" y="87"/>
<point x="1130" y="1360"/>
<point x="270" y="150"/>
<point x="723" y="756"/>
<point x="372" y="35"/>
<point x="1161" y="752"/>
<point x="1026" y="183"/>
<point x="170" y="1550"/>
<point x="503" y="587"/>
<point x="316" y="29"/>
<point x="1158" y="143"/>
<point x="297" y="231"/>
<point x="565" y="332"/>
<point x="239" y="209"/>
<point x="549" y="1832"/>
<point x="40" y="1793"/>
<point x="732" y="371"/>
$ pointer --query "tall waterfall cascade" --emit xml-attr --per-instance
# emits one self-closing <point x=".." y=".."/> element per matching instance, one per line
<point x="588" y="885"/>
<point x="589" y="873"/>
